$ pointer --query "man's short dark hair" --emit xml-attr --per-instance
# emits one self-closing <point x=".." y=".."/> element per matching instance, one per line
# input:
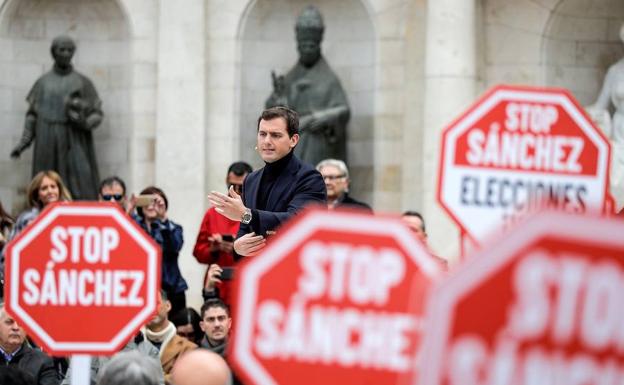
<point x="290" y="116"/>
<point x="214" y="302"/>
<point x="110" y="181"/>
<point x="416" y="214"/>
<point x="239" y="168"/>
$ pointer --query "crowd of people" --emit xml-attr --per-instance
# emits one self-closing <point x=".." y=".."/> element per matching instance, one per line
<point x="179" y="345"/>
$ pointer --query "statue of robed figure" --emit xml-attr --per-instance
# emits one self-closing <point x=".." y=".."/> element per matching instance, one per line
<point x="313" y="90"/>
<point x="64" y="109"/>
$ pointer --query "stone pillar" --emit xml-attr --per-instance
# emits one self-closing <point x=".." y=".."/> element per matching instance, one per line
<point x="179" y="158"/>
<point x="450" y="82"/>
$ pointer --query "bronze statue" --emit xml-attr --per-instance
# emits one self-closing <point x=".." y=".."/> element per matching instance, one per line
<point x="313" y="90"/>
<point x="64" y="109"/>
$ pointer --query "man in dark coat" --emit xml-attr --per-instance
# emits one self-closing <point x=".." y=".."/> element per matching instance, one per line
<point x="14" y="351"/>
<point x="64" y="109"/>
<point x="276" y="192"/>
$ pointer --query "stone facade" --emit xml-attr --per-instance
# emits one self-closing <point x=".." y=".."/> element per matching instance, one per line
<point x="183" y="82"/>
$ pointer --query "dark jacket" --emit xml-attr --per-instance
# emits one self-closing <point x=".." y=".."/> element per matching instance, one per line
<point x="36" y="363"/>
<point x="346" y="202"/>
<point x="219" y="349"/>
<point x="298" y="185"/>
<point x="169" y="236"/>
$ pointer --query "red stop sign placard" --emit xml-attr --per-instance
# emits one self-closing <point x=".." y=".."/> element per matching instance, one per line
<point x="517" y="150"/>
<point x="82" y="278"/>
<point x="337" y="298"/>
<point x="542" y="306"/>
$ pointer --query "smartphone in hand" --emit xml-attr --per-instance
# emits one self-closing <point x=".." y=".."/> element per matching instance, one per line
<point x="227" y="274"/>
<point x="144" y="200"/>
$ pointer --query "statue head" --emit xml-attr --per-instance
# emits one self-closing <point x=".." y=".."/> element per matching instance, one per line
<point x="309" y="30"/>
<point x="63" y="49"/>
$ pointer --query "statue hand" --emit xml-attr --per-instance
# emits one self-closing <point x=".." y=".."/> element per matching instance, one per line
<point x="74" y="116"/>
<point x="15" y="154"/>
<point x="311" y="123"/>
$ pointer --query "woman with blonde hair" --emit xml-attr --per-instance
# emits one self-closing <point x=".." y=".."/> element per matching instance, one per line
<point x="46" y="187"/>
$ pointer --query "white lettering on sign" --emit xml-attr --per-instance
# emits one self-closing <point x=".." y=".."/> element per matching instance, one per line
<point x="524" y="151"/>
<point x="328" y="335"/>
<point x="586" y="306"/>
<point x="562" y="298"/>
<point x="91" y="244"/>
<point x="340" y="333"/>
<point x="63" y="286"/>
<point x="525" y="142"/>
<point x="361" y="274"/>
<point x="83" y="287"/>
<point x="470" y="363"/>
<point x="534" y="118"/>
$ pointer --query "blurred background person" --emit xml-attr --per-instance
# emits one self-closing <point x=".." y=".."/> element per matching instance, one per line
<point x="162" y="334"/>
<point x="215" y="240"/>
<point x="130" y="368"/>
<point x="139" y="344"/>
<point x="45" y="188"/>
<point x="113" y="189"/>
<point x="336" y="177"/>
<point x="6" y="224"/>
<point x="16" y="352"/>
<point x="415" y="221"/>
<point x="186" y="322"/>
<point x="11" y="375"/>
<point x="169" y="235"/>
<point x="201" y="367"/>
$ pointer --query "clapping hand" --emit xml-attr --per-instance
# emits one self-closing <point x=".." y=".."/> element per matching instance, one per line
<point x="230" y="206"/>
<point x="249" y="244"/>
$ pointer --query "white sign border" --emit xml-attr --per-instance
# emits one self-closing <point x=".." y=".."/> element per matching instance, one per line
<point x="76" y="210"/>
<point x="314" y="220"/>
<point x="520" y="95"/>
<point x="586" y="228"/>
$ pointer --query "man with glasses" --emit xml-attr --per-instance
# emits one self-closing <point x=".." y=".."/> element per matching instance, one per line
<point x="215" y="241"/>
<point x="336" y="176"/>
<point x="113" y="189"/>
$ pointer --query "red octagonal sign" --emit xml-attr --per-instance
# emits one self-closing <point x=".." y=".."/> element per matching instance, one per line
<point x="82" y="279"/>
<point x="543" y="306"/>
<point x="517" y="150"/>
<point x="337" y="298"/>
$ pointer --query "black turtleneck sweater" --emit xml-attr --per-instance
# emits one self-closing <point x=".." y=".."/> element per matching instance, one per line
<point x="271" y="172"/>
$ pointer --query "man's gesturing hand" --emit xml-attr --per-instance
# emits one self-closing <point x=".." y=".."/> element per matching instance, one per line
<point x="230" y="206"/>
<point x="249" y="244"/>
